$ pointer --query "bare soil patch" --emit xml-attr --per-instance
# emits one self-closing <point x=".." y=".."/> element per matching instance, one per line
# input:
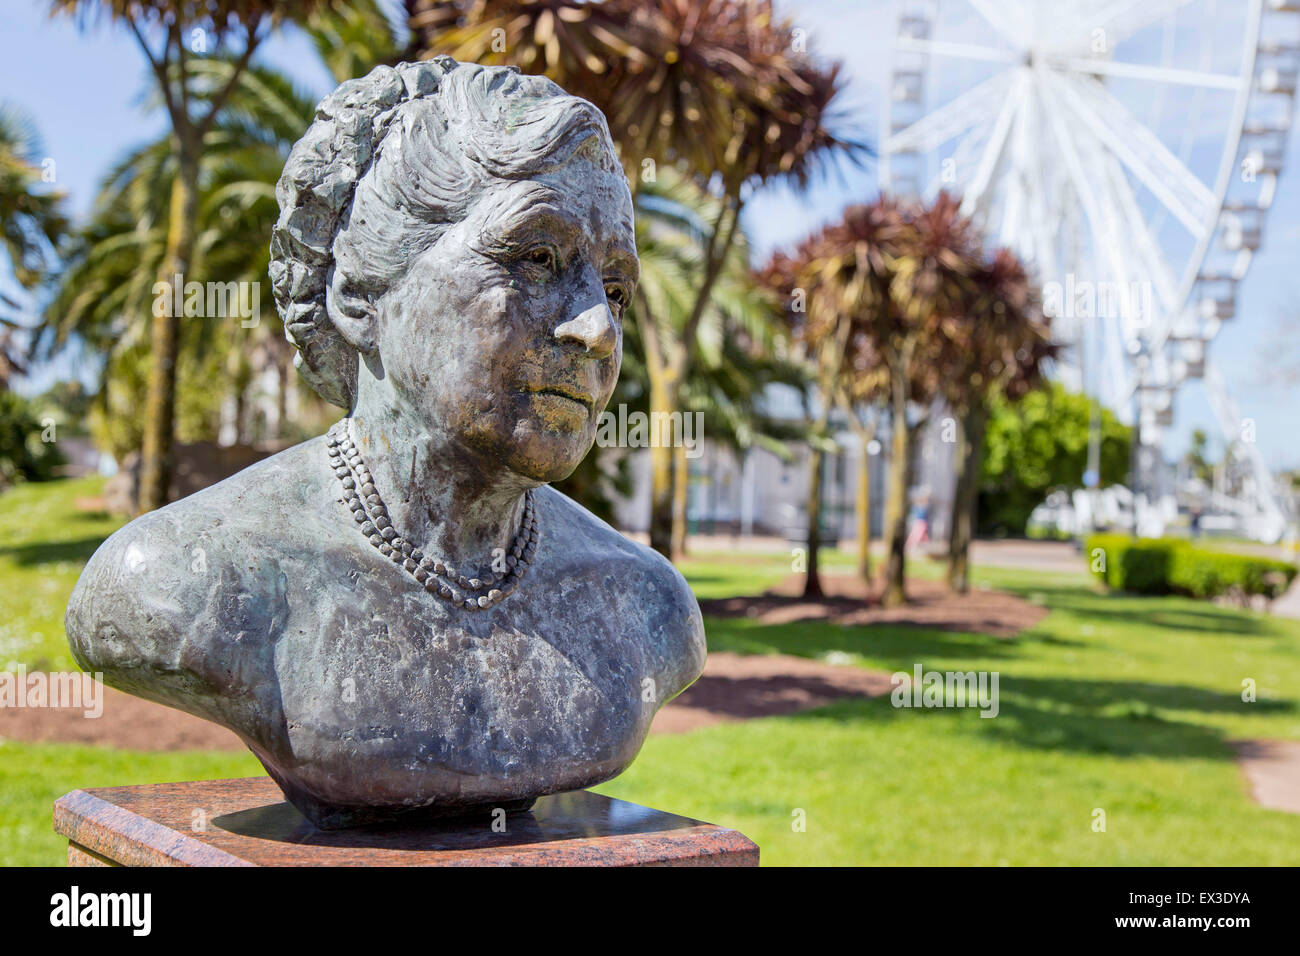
<point x="848" y="600"/>
<point x="126" y="722"/>
<point x="733" y="687"/>
<point x="745" y="686"/>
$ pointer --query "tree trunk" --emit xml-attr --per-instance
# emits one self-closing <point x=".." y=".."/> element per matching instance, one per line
<point x="281" y="398"/>
<point x="812" y="585"/>
<point x="900" y="468"/>
<point x="864" y="507"/>
<point x="670" y="367"/>
<point x="681" y="498"/>
<point x="156" y="457"/>
<point x="241" y="412"/>
<point x="969" y="455"/>
<point x="661" y="468"/>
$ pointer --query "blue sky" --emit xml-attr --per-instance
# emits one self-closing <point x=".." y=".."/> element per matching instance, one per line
<point x="85" y="91"/>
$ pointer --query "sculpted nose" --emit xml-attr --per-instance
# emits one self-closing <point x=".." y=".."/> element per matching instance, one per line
<point x="594" y="329"/>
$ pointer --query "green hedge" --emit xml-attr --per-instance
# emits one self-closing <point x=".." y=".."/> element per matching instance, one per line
<point x="1174" y="566"/>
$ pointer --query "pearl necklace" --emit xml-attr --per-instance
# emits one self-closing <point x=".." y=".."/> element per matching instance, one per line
<point x="437" y="577"/>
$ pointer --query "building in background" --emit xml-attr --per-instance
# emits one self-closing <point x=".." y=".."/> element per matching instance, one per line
<point x="756" y="492"/>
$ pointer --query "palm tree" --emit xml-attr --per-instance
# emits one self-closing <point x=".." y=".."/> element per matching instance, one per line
<point x="737" y="346"/>
<point x="107" y="287"/>
<point x="32" y="224"/>
<point x="105" y="294"/>
<point x="352" y="37"/>
<point x="711" y="86"/>
<point x="192" y="114"/>
<point x="886" y="288"/>
<point x="860" y="397"/>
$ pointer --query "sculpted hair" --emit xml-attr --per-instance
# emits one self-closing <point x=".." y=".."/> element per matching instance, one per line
<point x="391" y="161"/>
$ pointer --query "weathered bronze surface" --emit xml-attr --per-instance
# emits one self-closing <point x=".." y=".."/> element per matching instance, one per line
<point x="452" y="259"/>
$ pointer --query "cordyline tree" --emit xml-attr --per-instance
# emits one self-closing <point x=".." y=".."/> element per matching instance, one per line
<point x="862" y="389"/>
<point x="916" y="339"/>
<point x="828" y="285"/>
<point x="895" y="296"/>
<point x="1001" y="344"/>
<point x="245" y="24"/>
<point x="715" y="87"/>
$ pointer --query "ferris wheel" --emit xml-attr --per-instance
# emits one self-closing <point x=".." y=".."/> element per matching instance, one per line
<point x="1128" y="151"/>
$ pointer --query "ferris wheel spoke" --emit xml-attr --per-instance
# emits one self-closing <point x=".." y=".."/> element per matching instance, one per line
<point x="1141" y="151"/>
<point x="1143" y="240"/>
<point x="993" y="150"/>
<point x="954" y="118"/>
<point x="963" y="156"/>
<point x="1008" y="163"/>
<point x="996" y="16"/>
<point x="1163" y="74"/>
<point x="1116" y="364"/>
<point x="1123" y="18"/>
<point x="964" y="51"/>
<point x="1108" y="239"/>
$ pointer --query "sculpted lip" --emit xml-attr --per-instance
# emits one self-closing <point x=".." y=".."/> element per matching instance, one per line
<point x="567" y="392"/>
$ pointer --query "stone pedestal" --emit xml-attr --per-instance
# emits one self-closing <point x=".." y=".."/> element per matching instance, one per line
<point x="246" y="822"/>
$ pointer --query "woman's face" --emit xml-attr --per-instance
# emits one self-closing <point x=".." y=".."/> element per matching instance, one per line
<point x="507" y="332"/>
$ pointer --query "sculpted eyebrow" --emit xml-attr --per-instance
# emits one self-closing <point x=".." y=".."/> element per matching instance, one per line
<point x="623" y="260"/>
<point x="535" y="211"/>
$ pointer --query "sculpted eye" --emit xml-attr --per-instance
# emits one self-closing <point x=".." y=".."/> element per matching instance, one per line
<point x="617" y="294"/>
<point x="543" y="257"/>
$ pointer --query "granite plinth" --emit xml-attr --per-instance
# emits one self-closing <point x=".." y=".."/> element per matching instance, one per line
<point x="246" y="822"/>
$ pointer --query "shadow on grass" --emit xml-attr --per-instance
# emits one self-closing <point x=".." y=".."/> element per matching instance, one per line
<point x="817" y="638"/>
<point x="1171" y="612"/>
<point x="1139" y="698"/>
<point x="1122" y="718"/>
<point x="1115" y="718"/>
<point x="52" y="552"/>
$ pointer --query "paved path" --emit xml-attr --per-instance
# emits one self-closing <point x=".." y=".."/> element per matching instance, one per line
<point x="1288" y="605"/>
<point x="1038" y="555"/>
<point x="1272" y="768"/>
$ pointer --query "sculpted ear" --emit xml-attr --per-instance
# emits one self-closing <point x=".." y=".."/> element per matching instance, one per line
<point x="353" y="312"/>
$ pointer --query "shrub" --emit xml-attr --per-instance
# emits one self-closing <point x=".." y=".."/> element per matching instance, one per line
<point x="1173" y="566"/>
<point x="23" y="455"/>
<point x="1211" y="574"/>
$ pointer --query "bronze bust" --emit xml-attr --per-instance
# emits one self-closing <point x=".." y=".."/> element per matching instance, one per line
<point x="400" y="618"/>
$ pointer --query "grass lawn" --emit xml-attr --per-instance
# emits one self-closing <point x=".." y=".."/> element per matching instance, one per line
<point x="33" y="776"/>
<point x="1113" y="703"/>
<point x="44" y="543"/>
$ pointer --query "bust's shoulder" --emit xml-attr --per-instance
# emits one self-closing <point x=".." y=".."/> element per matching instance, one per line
<point x="146" y="596"/>
<point x="581" y="540"/>
<point x="244" y="513"/>
<point x="286" y="487"/>
<point x="637" y="584"/>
